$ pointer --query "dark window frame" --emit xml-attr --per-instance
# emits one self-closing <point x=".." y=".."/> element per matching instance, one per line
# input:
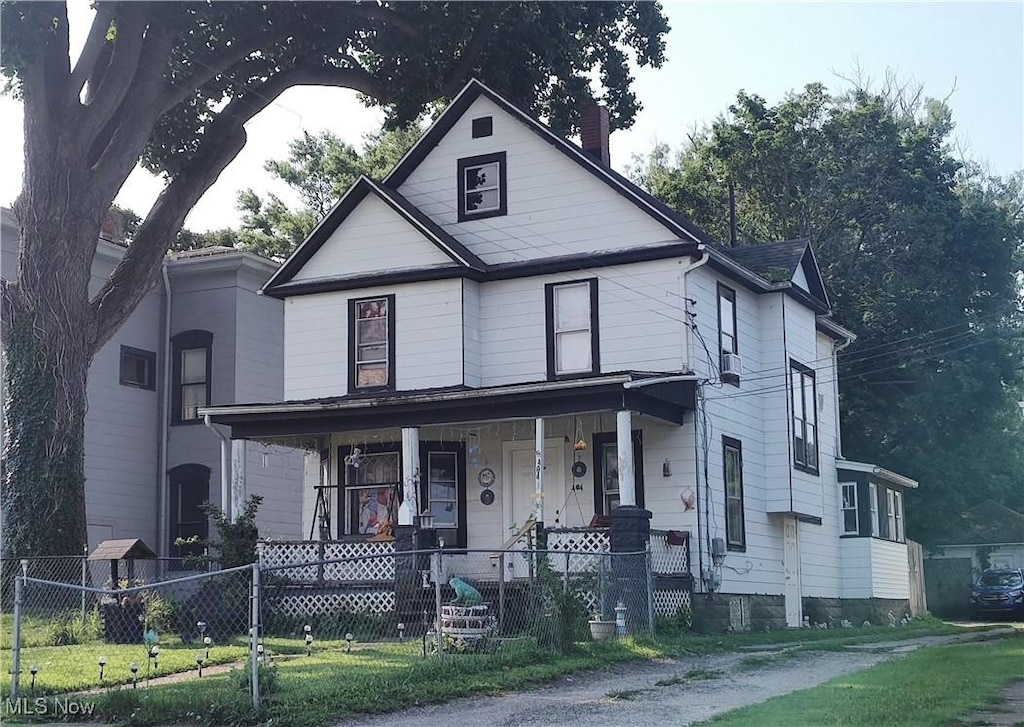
<point x="800" y="458"/>
<point x="186" y="474"/>
<point x="149" y="357"/>
<point x="602" y="439"/>
<point x="476" y="161"/>
<point x="740" y="546"/>
<point x="184" y="341"/>
<point x="866" y="518"/>
<point x="724" y="291"/>
<point x="392" y="324"/>
<point x="549" y="330"/>
<point x="454" y="537"/>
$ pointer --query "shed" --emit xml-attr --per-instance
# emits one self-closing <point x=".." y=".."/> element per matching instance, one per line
<point x="128" y="550"/>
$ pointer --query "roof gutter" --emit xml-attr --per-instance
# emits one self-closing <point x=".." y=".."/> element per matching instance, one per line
<point x="640" y="383"/>
<point x="225" y="465"/>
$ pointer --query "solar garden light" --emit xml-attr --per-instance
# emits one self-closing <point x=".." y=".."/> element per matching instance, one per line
<point x="33" y="670"/>
<point x="134" y="669"/>
<point x="201" y="625"/>
<point x="348" y="641"/>
<point x="103" y="665"/>
<point x="154" y="654"/>
<point x="401" y="632"/>
<point x="309" y="644"/>
<point x="259" y="653"/>
<point x="199" y="663"/>
<point x="207" y="641"/>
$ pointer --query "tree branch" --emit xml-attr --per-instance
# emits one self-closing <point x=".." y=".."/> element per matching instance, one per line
<point x="121" y="73"/>
<point x="455" y="78"/>
<point x="224" y="138"/>
<point x="94" y="45"/>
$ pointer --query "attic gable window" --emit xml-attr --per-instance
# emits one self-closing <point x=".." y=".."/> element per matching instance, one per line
<point x="482" y="191"/>
<point x="372" y="343"/>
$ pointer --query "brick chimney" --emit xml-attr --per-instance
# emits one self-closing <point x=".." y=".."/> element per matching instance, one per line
<point x="595" y="131"/>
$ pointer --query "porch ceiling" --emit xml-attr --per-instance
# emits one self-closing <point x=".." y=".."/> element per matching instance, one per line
<point x="660" y="396"/>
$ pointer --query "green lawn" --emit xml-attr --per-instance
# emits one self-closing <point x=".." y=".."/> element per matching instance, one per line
<point x="928" y="687"/>
<point x="375" y="677"/>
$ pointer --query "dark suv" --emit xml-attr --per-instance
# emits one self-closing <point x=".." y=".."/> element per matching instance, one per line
<point x="998" y="593"/>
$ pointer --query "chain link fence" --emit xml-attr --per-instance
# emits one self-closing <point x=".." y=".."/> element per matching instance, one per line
<point x="349" y="628"/>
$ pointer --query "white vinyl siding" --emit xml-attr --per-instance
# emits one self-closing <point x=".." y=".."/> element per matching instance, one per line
<point x="555" y="207"/>
<point x="374" y="238"/>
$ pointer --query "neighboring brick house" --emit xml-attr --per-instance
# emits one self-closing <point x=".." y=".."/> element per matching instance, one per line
<point x="149" y="461"/>
<point x="503" y="287"/>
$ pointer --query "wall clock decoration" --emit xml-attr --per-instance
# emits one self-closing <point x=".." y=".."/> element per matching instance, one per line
<point x="485" y="477"/>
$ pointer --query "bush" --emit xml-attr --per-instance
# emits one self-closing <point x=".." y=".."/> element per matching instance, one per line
<point x="69" y="628"/>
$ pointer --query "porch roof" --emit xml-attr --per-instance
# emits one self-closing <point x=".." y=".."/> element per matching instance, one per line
<point x="663" y="396"/>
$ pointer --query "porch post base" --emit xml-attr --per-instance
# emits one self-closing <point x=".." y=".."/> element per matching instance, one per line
<point x="631" y="529"/>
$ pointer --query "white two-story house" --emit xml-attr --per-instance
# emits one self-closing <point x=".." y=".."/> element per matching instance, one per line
<point x="505" y="331"/>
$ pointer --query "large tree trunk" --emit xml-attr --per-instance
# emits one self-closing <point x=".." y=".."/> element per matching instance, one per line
<point x="44" y="426"/>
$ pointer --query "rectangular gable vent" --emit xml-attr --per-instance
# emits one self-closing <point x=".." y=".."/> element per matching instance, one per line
<point x="484" y="126"/>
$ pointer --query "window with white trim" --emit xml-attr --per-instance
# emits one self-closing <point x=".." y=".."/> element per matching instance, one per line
<point x="900" y="536"/>
<point x="851" y="518"/>
<point x="890" y="513"/>
<point x="805" y="418"/>
<point x="572" y="328"/>
<point x="873" y="499"/>
<point x="443" y="489"/>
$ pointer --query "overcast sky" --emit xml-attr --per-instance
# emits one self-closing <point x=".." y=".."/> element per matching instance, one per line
<point x="972" y="53"/>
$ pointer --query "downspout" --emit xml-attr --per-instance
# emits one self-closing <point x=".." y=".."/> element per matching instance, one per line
<point x="684" y="301"/>
<point x="225" y="467"/>
<point x="835" y="389"/>
<point x="165" y="415"/>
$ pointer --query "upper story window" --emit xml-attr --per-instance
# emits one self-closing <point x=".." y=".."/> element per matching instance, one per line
<point x="372" y="343"/>
<point x="805" y="418"/>
<point x="193" y="358"/>
<point x="735" y="529"/>
<point x="851" y="517"/>
<point x="727" y="334"/>
<point x="138" y="368"/>
<point x="482" y="189"/>
<point x="572" y="330"/>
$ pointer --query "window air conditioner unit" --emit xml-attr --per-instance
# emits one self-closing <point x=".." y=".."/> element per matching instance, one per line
<point x="731" y="364"/>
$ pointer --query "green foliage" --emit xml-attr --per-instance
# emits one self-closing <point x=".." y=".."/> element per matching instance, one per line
<point x="235" y="543"/>
<point x="922" y="255"/>
<point x="68" y="628"/>
<point x="560" y="612"/>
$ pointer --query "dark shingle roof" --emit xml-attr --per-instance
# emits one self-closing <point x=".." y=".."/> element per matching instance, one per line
<point x="988" y="523"/>
<point x="763" y="259"/>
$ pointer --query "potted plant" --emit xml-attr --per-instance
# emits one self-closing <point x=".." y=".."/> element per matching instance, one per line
<point x="600" y="629"/>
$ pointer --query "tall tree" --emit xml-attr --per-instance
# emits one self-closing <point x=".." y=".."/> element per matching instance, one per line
<point x="923" y="258"/>
<point x="171" y="84"/>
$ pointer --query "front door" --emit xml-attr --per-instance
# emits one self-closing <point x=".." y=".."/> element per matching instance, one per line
<point x="519" y="483"/>
<point x="791" y="558"/>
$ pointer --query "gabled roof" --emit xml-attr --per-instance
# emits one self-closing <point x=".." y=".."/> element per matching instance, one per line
<point x="475" y="89"/>
<point x="122" y="549"/>
<point x="779" y="263"/>
<point x="988" y="523"/>
<point x="364" y="186"/>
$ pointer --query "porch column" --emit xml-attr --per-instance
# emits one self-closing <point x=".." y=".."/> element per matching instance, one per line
<point x="237" y="480"/>
<point x="410" y="475"/>
<point x="624" y="447"/>
<point x="538" y="494"/>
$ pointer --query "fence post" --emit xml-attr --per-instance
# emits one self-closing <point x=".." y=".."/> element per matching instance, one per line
<point x="254" y="628"/>
<point x="19" y="585"/>
<point x="435" y="569"/>
<point x="649" y="561"/>
<point x="85" y="574"/>
<point x="501" y="592"/>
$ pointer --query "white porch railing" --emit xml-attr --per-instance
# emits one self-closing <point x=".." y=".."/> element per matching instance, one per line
<point x="364" y="560"/>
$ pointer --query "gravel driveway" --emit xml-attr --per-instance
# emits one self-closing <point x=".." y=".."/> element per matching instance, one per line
<point x="629" y="694"/>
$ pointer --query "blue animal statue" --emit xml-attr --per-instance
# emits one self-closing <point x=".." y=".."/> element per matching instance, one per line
<point x="465" y="594"/>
